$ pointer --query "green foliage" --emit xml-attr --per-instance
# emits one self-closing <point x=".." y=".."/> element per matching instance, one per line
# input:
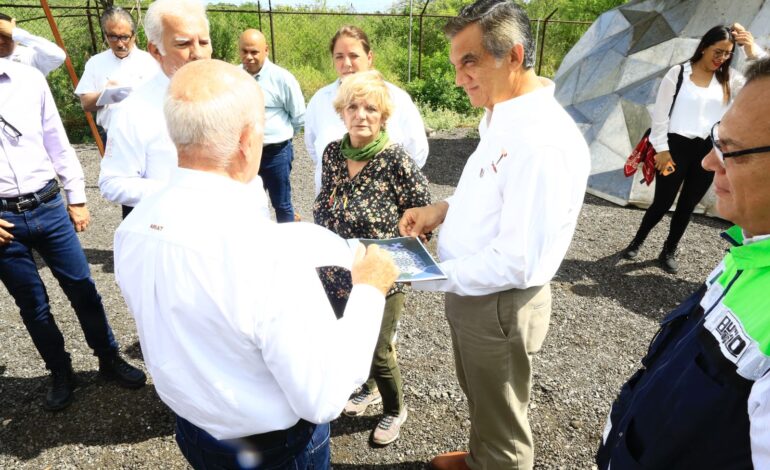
<point x="440" y="119"/>
<point x="437" y="87"/>
<point x="300" y="43"/>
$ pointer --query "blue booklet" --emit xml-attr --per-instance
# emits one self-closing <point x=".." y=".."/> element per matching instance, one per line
<point x="410" y="256"/>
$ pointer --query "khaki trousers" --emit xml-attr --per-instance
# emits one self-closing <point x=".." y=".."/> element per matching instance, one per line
<point x="493" y="338"/>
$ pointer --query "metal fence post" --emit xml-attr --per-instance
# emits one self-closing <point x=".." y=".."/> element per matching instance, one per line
<point x="259" y="15"/>
<point x="272" y="38"/>
<point x="419" y="50"/>
<point x="91" y="28"/>
<point x="542" y="42"/>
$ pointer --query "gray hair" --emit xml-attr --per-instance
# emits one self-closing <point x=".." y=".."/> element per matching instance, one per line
<point x="757" y="69"/>
<point x="116" y="14"/>
<point x="503" y="24"/>
<point x="153" y="19"/>
<point x="214" y="125"/>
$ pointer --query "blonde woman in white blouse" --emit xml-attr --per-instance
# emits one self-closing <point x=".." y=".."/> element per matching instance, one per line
<point x="681" y="137"/>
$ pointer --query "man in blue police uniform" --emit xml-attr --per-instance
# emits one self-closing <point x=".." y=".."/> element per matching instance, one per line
<point x="284" y="116"/>
<point x="702" y="397"/>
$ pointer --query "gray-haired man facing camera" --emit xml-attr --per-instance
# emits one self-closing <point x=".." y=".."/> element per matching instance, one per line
<point x="505" y="230"/>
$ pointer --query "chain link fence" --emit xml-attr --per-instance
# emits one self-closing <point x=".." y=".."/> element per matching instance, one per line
<point x="409" y="51"/>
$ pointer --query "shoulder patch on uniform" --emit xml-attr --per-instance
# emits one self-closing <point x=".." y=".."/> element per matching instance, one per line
<point x="736" y="345"/>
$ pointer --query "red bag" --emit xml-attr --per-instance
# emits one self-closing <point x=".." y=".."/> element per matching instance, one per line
<point x="643" y="154"/>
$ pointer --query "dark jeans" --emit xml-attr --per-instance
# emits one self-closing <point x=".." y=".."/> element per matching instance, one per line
<point x="303" y="446"/>
<point x="385" y="374"/>
<point x="47" y="229"/>
<point x="275" y="169"/>
<point x="690" y="176"/>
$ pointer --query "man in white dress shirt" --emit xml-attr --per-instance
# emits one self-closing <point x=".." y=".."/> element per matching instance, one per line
<point x="122" y="65"/>
<point x="235" y="326"/>
<point x="139" y="155"/>
<point x="505" y="230"/>
<point x="20" y="46"/>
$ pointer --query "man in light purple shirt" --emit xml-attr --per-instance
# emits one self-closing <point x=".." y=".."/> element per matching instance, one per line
<point x="34" y="151"/>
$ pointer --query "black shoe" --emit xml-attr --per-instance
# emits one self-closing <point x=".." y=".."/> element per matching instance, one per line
<point x="667" y="260"/>
<point x="632" y="250"/>
<point x="115" y="368"/>
<point x="60" y="393"/>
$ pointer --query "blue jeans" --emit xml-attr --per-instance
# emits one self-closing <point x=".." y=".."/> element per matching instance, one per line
<point x="303" y="446"/>
<point x="275" y="169"/>
<point x="47" y="229"/>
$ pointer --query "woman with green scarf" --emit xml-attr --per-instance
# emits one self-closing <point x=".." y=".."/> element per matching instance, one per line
<point x="367" y="183"/>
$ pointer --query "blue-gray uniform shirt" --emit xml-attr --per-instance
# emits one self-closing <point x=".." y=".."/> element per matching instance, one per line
<point x="284" y="103"/>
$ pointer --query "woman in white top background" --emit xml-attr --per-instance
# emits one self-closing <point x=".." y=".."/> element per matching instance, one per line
<point x="682" y="139"/>
<point x="351" y="52"/>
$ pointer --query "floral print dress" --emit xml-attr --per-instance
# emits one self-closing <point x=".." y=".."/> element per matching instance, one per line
<point x="369" y="205"/>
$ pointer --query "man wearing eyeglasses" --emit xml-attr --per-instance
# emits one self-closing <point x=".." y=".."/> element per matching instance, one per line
<point x="116" y="71"/>
<point x="35" y="51"/>
<point x="702" y="399"/>
<point x="34" y="153"/>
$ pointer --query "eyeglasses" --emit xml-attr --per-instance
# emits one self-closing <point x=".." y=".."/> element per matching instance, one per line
<point x="719" y="53"/>
<point x="116" y="38"/>
<point x="9" y="129"/>
<point x="738" y="153"/>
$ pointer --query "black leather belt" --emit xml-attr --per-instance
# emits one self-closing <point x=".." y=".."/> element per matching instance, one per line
<point x="275" y="145"/>
<point x="27" y="202"/>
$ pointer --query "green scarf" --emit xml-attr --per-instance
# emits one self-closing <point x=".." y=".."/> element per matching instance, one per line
<point x="367" y="151"/>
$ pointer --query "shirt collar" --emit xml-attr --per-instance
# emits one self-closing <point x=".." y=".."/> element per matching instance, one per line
<point x="521" y="106"/>
<point x="6" y="69"/>
<point x="748" y="253"/>
<point x="265" y="68"/>
<point x="212" y="185"/>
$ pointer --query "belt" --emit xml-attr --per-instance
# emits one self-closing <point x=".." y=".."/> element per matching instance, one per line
<point x="27" y="202"/>
<point x="275" y="145"/>
<point x="274" y="439"/>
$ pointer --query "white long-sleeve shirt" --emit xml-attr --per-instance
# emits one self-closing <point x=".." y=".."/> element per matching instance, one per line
<point x="696" y="108"/>
<point x="323" y="125"/>
<point x="43" y="151"/>
<point x="36" y="51"/>
<point x="137" y="68"/>
<point x="235" y="326"/>
<point x="513" y="214"/>
<point x="139" y="156"/>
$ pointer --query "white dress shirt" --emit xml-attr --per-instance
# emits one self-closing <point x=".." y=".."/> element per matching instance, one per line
<point x="696" y="108"/>
<point x="513" y="214"/>
<point x="235" y="326"/>
<point x="759" y="405"/>
<point x="43" y="152"/>
<point x="133" y="70"/>
<point x="140" y="155"/>
<point x="36" y="51"/>
<point x="323" y="125"/>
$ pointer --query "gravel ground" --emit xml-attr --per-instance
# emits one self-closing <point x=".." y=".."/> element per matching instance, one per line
<point x="605" y="311"/>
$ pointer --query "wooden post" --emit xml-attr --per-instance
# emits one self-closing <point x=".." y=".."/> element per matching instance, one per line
<point x="71" y="71"/>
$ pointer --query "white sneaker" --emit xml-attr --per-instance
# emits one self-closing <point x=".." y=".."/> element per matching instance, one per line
<point x="389" y="428"/>
<point x="360" y="400"/>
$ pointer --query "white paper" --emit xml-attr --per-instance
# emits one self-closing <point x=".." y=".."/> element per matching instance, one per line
<point x="113" y="95"/>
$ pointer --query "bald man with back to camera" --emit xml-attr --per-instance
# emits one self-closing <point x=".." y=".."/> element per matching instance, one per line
<point x="235" y="326"/>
